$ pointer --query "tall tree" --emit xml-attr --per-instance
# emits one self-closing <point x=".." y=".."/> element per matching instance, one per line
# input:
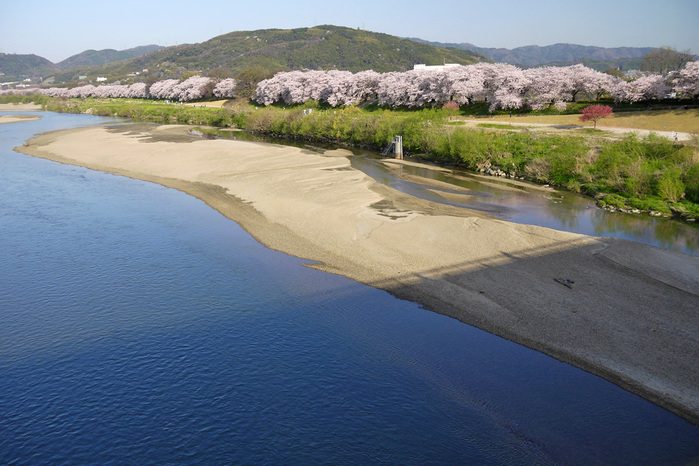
<point x="664" y="60"/>
<point x="246" y="81"/>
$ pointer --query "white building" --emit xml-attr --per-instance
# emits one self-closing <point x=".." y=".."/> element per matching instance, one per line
<point x="435" y="67"/>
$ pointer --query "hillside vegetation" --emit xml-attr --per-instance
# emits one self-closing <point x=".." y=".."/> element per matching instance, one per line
<point x="15" y="66"/>
<point x="316" y="48"/>
<point x="101" y="57"/>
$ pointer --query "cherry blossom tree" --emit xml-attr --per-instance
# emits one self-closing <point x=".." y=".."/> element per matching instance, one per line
<point x="365" y="86"/>
<point x="137" y="91"/>
<point x="81" y="91"/>
<point x="390" y="89"/>
<point x="287" y="87"/>
<point x="338" y="88"/>
<point x="467" y="83"/>
<point x="269" y="90"/>
<point x="686" y="81"/>
<point x="506" y="86"/>
<point x="594" y="83"/>
<point x="192" y="88"/>
<point x="225" y="88"/>
<point x="163" y="89"/>
<point x="547" y="85"/>
<point x="646" y="87"/>
<point x="595" y="113"/>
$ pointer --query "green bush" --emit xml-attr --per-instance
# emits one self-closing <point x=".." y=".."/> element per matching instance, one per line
<point x="670" y="186"/>
<point x="650" y="203"/>
<point x="24" y="99"/>
<point x="691" y="181"/>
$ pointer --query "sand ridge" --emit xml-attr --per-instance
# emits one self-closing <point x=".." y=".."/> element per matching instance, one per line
<point x="628" y="319"/>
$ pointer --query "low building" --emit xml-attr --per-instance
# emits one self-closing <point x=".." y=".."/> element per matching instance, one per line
<point x="435" y="67"/>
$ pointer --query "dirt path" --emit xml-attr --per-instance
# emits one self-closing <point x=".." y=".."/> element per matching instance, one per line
<point x="672" y="135"/>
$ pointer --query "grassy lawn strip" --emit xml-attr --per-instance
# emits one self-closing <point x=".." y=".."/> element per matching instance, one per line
<point x="502" y="126"/>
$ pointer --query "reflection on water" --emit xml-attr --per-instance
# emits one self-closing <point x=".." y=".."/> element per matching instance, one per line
<point x="533" y="205"/>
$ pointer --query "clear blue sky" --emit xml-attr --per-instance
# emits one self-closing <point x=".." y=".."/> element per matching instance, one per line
<point x="57" y="29"/>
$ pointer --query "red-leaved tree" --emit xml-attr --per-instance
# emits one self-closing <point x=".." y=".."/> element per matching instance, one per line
<point x="595" y="113"/>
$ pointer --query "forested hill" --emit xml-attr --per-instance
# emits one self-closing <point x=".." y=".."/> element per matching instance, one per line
<point x="14" y="66"/>
<point x="316" y="48"/>
<point x="101" y="57"/>
<point x="320" y="47"/>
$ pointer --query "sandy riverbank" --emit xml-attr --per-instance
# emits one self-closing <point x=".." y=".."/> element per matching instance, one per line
<point x="19" y="107"/>
<point x="630" y="315"/>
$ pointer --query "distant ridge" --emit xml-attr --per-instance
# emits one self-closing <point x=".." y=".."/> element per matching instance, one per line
<point x="102" y="57"/>
<point x="16" y="66"/>
<point x="319" y="48"/>
<point x="600" y="58"/>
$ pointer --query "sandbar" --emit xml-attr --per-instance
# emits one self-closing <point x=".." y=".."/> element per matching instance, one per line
<point x="625" y="311"/>
<point x="17" y="118"/>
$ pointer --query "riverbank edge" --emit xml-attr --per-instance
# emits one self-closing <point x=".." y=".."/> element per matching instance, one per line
<point x="428" y="293"/>
<point x="681" y="210"/>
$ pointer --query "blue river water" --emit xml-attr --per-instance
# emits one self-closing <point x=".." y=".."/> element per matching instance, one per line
<point x="139" y="326"/>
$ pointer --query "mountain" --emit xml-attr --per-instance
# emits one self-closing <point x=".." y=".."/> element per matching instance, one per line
<point x="600" y="58"/>
<point x="16" y="66"/>
<point x="101" y="57"/>
<point x="320" y="47"/>
<point x="534" y="55"/>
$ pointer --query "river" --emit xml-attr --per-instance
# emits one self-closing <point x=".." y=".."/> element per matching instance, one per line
<point x="140" y="326"/>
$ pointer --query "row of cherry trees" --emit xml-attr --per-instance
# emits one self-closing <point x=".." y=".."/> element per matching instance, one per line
<point x="193" y="88"/>
<point x="502" y="85"/>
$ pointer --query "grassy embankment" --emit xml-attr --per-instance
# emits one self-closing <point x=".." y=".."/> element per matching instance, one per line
<point x="625" y="172"/>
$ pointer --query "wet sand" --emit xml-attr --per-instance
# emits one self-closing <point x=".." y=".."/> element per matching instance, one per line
<point x="621" y="310"/>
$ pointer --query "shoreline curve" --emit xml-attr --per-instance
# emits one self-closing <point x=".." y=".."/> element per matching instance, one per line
<point x="626" y="313"/>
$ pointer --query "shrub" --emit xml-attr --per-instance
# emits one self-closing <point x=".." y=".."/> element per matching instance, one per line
<point x="691" y="181"/>
<point x="670" y="187"/>
<point x="538" y="169"/>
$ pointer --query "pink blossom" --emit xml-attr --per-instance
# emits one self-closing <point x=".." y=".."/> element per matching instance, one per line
<point x="686" y="81"/>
